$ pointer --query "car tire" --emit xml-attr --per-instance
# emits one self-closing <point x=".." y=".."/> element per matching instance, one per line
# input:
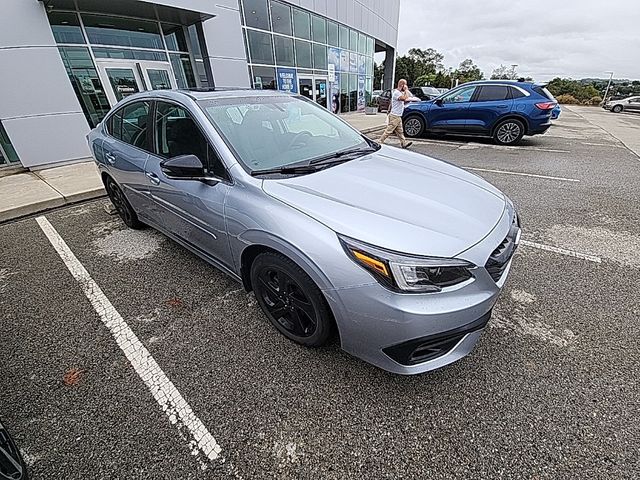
<point x="414" y="126"/>
<point x="122" y="205"/>
<point x="291" y="300"/>
<point x="617" y="108"/>
<point x="508" y="132"/>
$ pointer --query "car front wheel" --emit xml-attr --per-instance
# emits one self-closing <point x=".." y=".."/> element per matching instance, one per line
<point x="508" y="132"/>
<point x="414" y="126"/>
<point x="617" y="109"/>
<point x="291" y="300"/>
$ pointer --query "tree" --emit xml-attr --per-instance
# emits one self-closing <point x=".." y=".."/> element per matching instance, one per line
<point x="468" y="72"/>
<point x="378" y="73"/>
<point x="504" y="72"/>
<point x="418" y="62"/>
<point x="567" y="86"/>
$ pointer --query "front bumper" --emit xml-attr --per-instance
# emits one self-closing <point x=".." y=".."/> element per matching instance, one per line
<point x="408" y="333"/>
<point x="607" y="107"/>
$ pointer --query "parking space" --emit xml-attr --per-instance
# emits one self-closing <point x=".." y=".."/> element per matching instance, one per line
<point x="551" y="390"/>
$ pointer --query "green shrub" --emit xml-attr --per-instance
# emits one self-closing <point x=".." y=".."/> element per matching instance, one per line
<point x="597" y="100"/>
<point x="568" y="99"/>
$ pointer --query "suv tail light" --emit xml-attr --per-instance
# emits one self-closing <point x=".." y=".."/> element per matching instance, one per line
<point x="546" y="105"/>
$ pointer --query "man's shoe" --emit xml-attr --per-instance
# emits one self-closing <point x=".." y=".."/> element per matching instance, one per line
<point x="407" y="145"/>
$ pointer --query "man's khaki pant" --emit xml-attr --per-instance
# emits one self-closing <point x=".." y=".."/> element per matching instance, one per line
<point x="394" y="126"/>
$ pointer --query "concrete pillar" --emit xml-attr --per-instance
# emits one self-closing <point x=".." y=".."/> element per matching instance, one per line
<point x="389" y="68"/>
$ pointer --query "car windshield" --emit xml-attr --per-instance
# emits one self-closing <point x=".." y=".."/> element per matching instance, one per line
<point x="267" y="132"/>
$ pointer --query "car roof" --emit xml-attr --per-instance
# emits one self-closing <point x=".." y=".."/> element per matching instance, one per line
<point x="208" y="94"/>
<point x="502" y="82"/>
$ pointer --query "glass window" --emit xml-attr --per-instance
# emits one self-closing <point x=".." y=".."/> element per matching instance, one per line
<point x="66" y="27"/>
<point x="332" y="33"/>
<point x="319" y="56"/>
<point x="370" y="46"/>
<point x="344" y="93"/>
<point x="344" y="37"/>
<point x="301" y="24"/>
<point x="491" y="93"/>
<point x="183" y="70"/>
<point x="369" y="68"/>
<point x="86" y="83"/>
<point x="264" y="78"/>
<point x="261" y="130"/>
<point x="362" y="43"/>
<point x="461" y="95"/>
<point x="123" y="81"/>
<point x="319" y="29"/>
<point x="174" y="37"/>
<point x="124" y="32"/>
<point x="353" y="92"/>
<point x="515" y="93"/>
<point x="159" y="79"/>
<point x="129" y="54"/>
<point x="353" y="43"/>
<point x="284" y="51"/>
<point x="256" y="14"/>
<point x="303" y="54"/>
<point x="129" y="124"/>
<point x="260" y="47"/>
<point x="8" y="154"/>
<point x="281" y="18"/>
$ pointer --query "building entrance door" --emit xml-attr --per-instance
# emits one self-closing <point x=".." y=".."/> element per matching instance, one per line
<point x="313" y="87"/>
<point x="122" y="79"/>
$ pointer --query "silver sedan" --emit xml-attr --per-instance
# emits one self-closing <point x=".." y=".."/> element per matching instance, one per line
<point x="401" y="255"/>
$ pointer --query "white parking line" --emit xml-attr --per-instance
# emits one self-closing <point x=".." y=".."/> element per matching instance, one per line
<point x="562" y="179"/>
<point x="165" y="393"/>
<point x="561" y="251"/>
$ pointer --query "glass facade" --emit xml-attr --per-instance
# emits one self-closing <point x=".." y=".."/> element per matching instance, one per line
<point x="87" y="41"/>
<point x="8" y="155"/>
<point x="287" y="46"/>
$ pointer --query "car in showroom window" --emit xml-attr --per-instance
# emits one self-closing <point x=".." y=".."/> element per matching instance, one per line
<point x="401" y="255"/>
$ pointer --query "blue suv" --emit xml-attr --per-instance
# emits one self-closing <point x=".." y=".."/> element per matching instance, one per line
<point x="500" y="109"/>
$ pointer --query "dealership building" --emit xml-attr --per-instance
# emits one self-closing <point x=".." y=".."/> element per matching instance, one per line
<point x="65" y="63"/>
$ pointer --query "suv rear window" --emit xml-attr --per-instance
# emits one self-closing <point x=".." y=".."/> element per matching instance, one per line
<point x="490" y="93"/>
<point x="544" y="92"/>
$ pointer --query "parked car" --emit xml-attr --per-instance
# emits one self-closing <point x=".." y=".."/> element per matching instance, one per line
<point x="375" y="95"/>
<point x="425" y="93"/>
<point x="403" y="254"/>
<point x="555" y="113"/>
<point x="503" y="110"/>
<point x="384" y="101"/>
<point x="631" y="104"/>
<point x="12" y="466"/>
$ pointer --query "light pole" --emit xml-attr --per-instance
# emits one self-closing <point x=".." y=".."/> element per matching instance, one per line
<point x="604" y="99"/>
<point x="513" y="71"/>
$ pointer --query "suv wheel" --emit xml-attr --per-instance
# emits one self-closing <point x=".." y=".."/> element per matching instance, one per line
<point x="414" y="126"/>
<point x="617" y="109"/>
<point x="124" y="208"/>
<point x="292" y="302"/>
<point x="508" y="132"/>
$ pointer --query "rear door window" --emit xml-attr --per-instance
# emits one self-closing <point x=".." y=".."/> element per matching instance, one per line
<point x="129" y="125"/>
<point x="492" y="93"/>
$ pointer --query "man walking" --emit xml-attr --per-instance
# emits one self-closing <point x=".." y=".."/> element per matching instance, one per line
<point x="400" y="96"/>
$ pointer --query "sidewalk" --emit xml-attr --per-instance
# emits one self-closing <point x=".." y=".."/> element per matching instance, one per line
<point x="27" y="193"/>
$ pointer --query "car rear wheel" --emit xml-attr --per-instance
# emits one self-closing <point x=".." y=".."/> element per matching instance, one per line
<point x="290" y="299"/>
<point x="414" y="126"/>
<point x="617" y="109"/>
<point x="123" y="207"/>
<point x="508" y="132"/>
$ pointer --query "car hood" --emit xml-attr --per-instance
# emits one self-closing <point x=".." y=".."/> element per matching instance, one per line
<point x="397" y="200"/>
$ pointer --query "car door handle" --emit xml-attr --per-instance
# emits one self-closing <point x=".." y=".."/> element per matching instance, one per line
<point x="110" y="157"/>
<point x="153" y="178"/>
<point x="503" y="106"/>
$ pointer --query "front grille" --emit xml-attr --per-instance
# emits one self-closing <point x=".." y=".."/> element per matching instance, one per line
<point x="499" y="259"/>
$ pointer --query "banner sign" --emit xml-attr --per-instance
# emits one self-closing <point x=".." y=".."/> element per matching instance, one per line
<point x="287" y="80"/>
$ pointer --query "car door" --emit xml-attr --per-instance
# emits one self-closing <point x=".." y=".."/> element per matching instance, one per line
<point x="126" y="149"/>
<point x="450" y="112"/>
<point x="634" y="104"/>
<point x="488" y="104"/>
<point x="192" y="210"/>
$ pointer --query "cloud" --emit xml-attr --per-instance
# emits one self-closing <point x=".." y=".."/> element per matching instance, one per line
<point x="573" y="38"/>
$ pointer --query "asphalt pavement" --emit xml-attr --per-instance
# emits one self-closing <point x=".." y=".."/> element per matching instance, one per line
<point x="551" y="390"/>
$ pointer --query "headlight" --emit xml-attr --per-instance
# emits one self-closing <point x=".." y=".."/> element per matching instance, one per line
<point x="407" y="273"/>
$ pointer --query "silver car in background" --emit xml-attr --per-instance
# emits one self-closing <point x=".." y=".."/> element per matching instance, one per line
<point x="629" y="104"/>
<point x="402" y="255"/>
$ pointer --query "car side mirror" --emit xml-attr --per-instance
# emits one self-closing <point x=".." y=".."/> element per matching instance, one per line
<point x="439" y="102"/>
<point x="184" y="167"/>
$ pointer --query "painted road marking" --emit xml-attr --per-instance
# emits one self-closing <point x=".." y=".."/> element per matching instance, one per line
<point x="165" y="393"/>
<point x="561" y="179"/>
<point x="561" y="251"/>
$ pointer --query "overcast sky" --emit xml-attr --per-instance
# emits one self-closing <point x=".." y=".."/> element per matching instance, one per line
<point x="567" y="38"/>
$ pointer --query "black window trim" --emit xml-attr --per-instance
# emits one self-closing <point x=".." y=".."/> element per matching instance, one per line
<point x="108" y="122"/>
<point x="479" y="89"/>
<point x="229" y="179"/>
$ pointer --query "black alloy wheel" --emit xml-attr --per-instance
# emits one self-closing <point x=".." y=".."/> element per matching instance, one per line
<point x="291" y="300"/>
<point x="122" y="205"/>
